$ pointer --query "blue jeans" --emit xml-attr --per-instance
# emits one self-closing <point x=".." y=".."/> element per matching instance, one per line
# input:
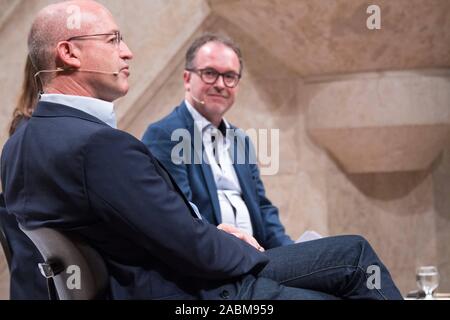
<point x="342" y="267"/>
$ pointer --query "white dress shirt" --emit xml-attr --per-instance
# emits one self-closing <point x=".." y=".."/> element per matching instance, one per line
<point x="100" y="109"/>
<point x="217" y="150"/>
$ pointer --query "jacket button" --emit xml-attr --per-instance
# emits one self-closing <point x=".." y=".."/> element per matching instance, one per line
<point x="224" y="294"/>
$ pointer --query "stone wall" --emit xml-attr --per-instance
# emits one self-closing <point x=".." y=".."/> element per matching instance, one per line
<point x="403" y="209"/>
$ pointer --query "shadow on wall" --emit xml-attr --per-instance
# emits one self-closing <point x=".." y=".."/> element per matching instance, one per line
<point x="387" y="186"/>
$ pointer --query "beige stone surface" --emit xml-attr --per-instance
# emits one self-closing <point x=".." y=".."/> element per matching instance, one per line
<point x="315" y="37"/>
<point x="4" y="277"/>
<point x="379" y="99"/>
<point x="394" y="211"/>
<point x="384" y="149"/>
<point x="290" y="47"/>
<point x="381" y="122"/>
<point x="6" y="9"/>
<point x="441" y="191"/>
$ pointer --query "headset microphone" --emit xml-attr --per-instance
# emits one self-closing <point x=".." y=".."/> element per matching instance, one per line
<point x="197" y="100"/>
<point x="114" y="73"/>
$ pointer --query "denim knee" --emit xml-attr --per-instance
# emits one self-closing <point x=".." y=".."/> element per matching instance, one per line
<point x="359" y="244"/>
<point x="357" y="240"/>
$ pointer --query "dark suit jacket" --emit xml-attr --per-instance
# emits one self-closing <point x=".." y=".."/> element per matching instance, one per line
<point x="196" y="180"/>
<point x="26" y="282"/>
<point x="70" y="171"/>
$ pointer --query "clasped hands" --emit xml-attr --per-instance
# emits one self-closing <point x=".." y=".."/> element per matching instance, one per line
<point x="241" y="235"/>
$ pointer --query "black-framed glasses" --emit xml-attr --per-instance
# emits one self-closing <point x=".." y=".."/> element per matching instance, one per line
<point x="118" y="38"/>
<point x="210" y="76"/>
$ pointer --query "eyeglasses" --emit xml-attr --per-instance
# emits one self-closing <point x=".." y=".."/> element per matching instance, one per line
<point x="210" y="76"/>
<point x="116" y="40"/>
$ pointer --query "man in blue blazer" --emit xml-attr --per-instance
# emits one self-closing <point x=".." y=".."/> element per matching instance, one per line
<point x="202" y="181"/>
<point x="72" y="170"/>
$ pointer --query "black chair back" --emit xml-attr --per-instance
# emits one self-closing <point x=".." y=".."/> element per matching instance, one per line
<point x="77" y="270"/>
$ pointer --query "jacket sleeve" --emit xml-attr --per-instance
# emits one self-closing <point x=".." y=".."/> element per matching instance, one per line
<point x="120" y="174"/>
<point x="159" y="142"/>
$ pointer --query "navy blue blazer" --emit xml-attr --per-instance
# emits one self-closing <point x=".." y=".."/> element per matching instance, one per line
<point x="26" y="282"/>
<point x="196" y="180"/>
<point x="70" y="171"/>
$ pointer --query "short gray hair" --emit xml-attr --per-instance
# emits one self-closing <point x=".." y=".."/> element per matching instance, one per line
<point x="41" y="46"/>
<point x="49" y="28"/>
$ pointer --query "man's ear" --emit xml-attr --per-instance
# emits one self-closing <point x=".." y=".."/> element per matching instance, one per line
<point x="68" y="55"/>
<point x="186" y="80"/>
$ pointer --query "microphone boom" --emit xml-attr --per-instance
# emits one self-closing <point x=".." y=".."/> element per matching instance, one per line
<point x="115" y="73"/>
<point x="197" y="100"/>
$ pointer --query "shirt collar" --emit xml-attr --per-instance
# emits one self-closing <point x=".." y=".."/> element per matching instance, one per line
<point x="202" y="123"/>
<point x="100" y="109"/>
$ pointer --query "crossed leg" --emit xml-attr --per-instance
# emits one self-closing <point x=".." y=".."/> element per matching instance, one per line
<point x="328" y="268"/>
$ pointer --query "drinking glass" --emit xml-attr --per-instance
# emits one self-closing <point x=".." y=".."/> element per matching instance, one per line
<point x="427" y="278"/>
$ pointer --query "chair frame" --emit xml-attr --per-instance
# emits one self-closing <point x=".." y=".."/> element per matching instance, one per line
<point x="61" y="250"/>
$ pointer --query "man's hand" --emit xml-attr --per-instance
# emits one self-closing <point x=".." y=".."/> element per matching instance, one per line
<point x="241" y="235"/>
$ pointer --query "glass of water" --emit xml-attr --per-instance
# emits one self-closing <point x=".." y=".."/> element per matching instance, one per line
<point x="427" y="280"/>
